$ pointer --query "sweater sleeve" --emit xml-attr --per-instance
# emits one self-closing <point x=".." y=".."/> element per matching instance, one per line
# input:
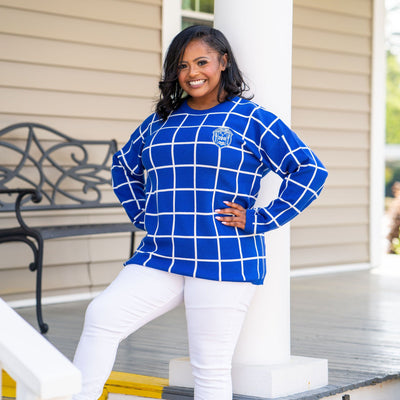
<point x="302" y="172"/>
<point x="128" y="177"/>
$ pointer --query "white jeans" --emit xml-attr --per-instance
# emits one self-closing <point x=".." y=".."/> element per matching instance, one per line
<point x="215" y="312"/>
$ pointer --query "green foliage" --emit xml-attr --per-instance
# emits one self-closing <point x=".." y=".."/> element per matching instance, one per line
<point x="203" y="6"/>
<point x="206" y="6"/>
<point x="396" y="245"/>
<point x="392" y="100"/>
<point x="389" y="174"/>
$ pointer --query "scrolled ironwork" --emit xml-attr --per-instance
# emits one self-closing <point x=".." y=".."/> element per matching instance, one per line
<point x="60" y="167"/>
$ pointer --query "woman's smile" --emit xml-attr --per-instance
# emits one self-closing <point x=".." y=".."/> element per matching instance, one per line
<point x="197" y="83"/>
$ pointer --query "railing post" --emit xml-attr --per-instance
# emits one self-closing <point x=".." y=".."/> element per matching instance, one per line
<point x="39" y="369"/>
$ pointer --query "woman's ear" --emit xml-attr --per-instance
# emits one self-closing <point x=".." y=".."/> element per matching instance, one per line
<point x="224" y="61"/>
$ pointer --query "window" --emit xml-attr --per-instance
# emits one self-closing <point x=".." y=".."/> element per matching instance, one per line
<point x="197" y="12"/>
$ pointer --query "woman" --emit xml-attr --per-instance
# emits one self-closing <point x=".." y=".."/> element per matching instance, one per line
<point x="204" y="151"/>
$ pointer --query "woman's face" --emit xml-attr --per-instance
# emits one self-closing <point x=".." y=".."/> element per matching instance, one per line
<point x="199" y="74"/>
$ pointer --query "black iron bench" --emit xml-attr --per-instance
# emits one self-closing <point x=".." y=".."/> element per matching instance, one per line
<point x="42" y="169"/>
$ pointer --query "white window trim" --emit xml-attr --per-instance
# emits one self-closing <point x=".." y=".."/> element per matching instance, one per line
<point x="202" y="16"/>
<point x="378" y="116"/>
<point x="172" y="14"/>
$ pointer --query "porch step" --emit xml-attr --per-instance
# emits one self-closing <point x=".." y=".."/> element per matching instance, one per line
<point x="133" y="385"/>
<point x="125" y="386"/>
<point x="8" y="385"/>
<point x="118" y="386"/>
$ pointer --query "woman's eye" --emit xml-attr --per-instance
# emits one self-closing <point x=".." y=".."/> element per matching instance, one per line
<point x="202" y="62"/>
<point x="181" y="66"/>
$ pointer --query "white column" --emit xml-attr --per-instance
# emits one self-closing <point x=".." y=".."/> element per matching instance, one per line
<point x="261" y="37"/>
<point x="260" y="33"/>
<point x="171" y="22"/>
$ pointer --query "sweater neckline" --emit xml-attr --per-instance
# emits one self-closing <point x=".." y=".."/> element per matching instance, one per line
<point x="219" y="107"/>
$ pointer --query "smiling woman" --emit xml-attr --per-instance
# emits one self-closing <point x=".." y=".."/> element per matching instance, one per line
<point x="189" y="176"/>
<point x="211" y="65"/>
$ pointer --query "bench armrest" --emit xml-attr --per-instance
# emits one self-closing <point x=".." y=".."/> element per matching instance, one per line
<point x="36" y="197"/>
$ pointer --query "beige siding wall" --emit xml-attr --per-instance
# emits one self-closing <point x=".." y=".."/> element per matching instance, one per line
<point x="89" y="69"/>
<point x="331" y="112"/>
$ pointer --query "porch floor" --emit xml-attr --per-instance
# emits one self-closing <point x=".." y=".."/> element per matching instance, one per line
<point x="350" y="318"/>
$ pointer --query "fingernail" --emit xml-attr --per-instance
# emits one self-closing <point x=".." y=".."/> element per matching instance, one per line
<point x="226" y="202"/>
<point x="218" y="218"/>
<point x="218" y="210"/>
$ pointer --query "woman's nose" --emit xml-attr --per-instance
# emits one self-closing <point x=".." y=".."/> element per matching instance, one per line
<point x="192" y="70"/>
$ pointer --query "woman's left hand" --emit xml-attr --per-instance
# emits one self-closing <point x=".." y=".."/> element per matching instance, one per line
<point x="238" y="219"/>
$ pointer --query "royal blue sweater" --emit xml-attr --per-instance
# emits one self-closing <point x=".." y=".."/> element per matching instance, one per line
<point x="171" y="177"/>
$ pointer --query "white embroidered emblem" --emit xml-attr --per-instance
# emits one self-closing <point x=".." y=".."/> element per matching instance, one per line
<point x="222" y="136"/>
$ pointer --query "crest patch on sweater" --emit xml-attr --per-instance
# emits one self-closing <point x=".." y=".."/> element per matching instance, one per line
<point x="222" y="136"/>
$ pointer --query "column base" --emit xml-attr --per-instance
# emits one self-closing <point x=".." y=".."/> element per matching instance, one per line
<point x="298" y="375"/>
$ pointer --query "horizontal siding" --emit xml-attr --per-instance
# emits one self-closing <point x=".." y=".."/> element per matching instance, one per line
<point x="89" y="69"/>
<point x="344" y="196"/>
<point x="319" y="256"/>
<point x="330" y="215"/>
<point x="349" y="177"/>
<point x="22" y="281"/>
<point x="351" y="83"/>
<point x="59" y="279"/>
<point x="322" y="99"/>
<point x="329" y="235"/>
<point x="91" y="263"/>
<point x="76" y="105"/>
<point x="355" y="8"/>
<point x="335" y="139"/>
<point x="68" y="217"/>
<point x="331" y="41"/>
<point x="76" y="55"/>
<point x="329" y="119"/>
<point x="308" y="17"/>
<point x="67" y="29"/>
<point x="136" y="13"/>
<point x="331" y="112"/>
<point x="344" y="158"/>
<point x="331" y="61"/>
<point x="44" y="77"/>
<point x="79" y="127"/>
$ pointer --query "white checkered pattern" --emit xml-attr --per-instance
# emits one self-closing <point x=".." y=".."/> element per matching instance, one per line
<point x="171" y="177"/>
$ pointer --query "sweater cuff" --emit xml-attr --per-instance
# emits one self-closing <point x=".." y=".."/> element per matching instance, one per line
<point x="250" y="226"/>
<point x="139" y="220"/>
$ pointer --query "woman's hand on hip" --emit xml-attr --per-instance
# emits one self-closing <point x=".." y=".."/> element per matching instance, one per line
<point x="237" y="215"/>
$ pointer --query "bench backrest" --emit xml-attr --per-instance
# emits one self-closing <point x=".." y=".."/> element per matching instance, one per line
<point x="70" y="173"/>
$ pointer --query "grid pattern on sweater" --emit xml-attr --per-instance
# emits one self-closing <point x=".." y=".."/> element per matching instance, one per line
<point x="171" y="177"/>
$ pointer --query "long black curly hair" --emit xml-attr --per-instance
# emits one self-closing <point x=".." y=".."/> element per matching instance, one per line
<point x="171" y="94"/>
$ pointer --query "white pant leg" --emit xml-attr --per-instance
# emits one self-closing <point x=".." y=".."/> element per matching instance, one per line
<point x="137" y="296"/>
<point x="215" y="312"/>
